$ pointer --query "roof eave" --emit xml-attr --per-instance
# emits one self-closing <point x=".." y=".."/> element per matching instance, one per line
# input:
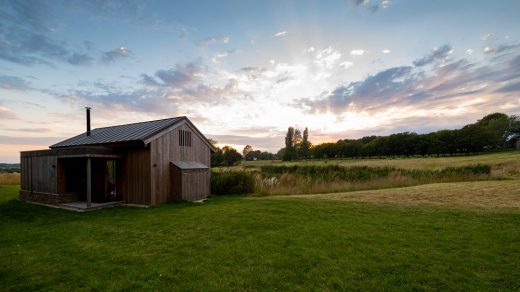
<point x="131" y="143"/>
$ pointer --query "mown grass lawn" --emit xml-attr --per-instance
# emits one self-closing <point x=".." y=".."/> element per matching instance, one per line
<point x="245" y="243"/>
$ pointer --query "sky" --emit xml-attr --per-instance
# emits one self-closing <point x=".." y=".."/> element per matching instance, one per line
<point x="244" y="71"/>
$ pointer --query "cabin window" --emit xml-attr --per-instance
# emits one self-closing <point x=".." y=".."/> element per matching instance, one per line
<point x="184" y="138"/>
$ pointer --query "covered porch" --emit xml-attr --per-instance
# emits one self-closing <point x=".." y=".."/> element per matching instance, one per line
<point x="94" y="179"/>
<point x="80" y="178"/>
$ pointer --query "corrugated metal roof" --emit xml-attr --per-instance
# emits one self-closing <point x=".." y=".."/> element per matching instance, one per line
<point x="189" y="165"/>
<point x="124" y="133"/>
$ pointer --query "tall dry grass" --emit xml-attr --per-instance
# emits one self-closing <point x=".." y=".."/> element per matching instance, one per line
<point x="308" y="179"/>
<point x="291" y="184"/>
<point x="9" y="178"/>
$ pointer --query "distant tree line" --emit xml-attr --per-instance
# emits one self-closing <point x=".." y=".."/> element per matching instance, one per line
<point x="225" y="156"/>
<point x="9" y="167"/>
<point x="492" y="132"/>
<point x="229" y="156"/>
<point x="496" y="131"/>
<point x="250" y="154"/>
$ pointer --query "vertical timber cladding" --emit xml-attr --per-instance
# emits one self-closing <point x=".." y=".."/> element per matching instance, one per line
<point x="190" y="180"/>
<point x="195" y="184"/>
<point x="25" y="166"/>
<point x="165" y="149"/>
<point x="136" y="186"/>
<point x="38" y="172"/>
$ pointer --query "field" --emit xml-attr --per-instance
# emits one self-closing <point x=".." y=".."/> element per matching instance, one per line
<point x="7" y="178"/>
<point x="440" y="236"/>
<point x="346" y="175"/>
<point x="497" y="160"/>
<point x="481" y="194"/>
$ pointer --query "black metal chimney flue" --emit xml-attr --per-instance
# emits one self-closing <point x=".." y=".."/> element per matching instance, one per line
<point x="88" y="121"/>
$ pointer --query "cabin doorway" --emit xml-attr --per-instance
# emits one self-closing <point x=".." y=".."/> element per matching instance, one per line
<point x="105" y="178"/>
<point x="111" y="179"/>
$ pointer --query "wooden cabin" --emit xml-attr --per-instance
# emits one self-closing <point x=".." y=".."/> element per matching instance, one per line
<point x="146" y="163"/>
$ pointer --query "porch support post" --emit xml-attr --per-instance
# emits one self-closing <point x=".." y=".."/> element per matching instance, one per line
<point x="89" y="182"/>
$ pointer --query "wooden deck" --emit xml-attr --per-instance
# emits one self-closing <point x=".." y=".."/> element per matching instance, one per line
<point x="83" y="206"/>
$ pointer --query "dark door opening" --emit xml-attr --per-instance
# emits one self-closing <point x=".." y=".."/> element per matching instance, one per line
<point x="105" y="178"/>
<point x="111" y="181"/>
<point x="72" y="177"/>
<point x="105" y="174"/>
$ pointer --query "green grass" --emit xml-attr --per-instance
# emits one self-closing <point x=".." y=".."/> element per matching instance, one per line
<point x="244" y="243"/>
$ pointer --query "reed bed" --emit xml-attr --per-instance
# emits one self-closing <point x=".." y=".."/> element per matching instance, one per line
<point x="308" y="179"/>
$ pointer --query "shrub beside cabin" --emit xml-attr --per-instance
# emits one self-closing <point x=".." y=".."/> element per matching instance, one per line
<point x="144" y="163"/>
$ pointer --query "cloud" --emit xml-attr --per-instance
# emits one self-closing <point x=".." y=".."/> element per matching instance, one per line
<point x="118" y="99"/>
<point x="38" y="141"/>
<point x="346" y="65"/>
<point x="220" y="39"/>
<point x="384" y="3"/>
<point x="164" y="92"/>
<point x="113" y="8"/>
<point x="6" y="114"/>
<point x="373" y="90"/>
<point x="13" y="83"/>
<point x="327" y="57"/>
<point x="512" y="87"/>
<point x="386" y="51"/>
<point x="444" y="88"/>
<point x="488" y="49"/>
<point x="280" y="34"/>
<point x="182" y="75"/>
<point x="357" y="52"/>
<point x="372" y="6"/>
<point x="25" y="35"/>
<point x="436" y="55"/>
<point x="506" y="48"/>
<point x="252" y="73"/>
<point x="116" y="54"/>
<point x="30" y="130"/>
<point x="149" y="80"/>
<point x="221" y="55"/>
<point x="469" y="51"/>
<point x="80" y="59"/>
<point x="488" y="36"/>
<point x="359" y="2"/>
<point x="208" y="94"/>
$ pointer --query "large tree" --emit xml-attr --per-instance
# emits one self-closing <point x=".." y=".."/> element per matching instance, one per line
<point x="290" y="149"/>
<point x="305" y="144"/>
<point x="247" y="149"/>
<point x="226" y="156"/>
<point x="231" y="156"/>
<point x="296" y="145"/>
